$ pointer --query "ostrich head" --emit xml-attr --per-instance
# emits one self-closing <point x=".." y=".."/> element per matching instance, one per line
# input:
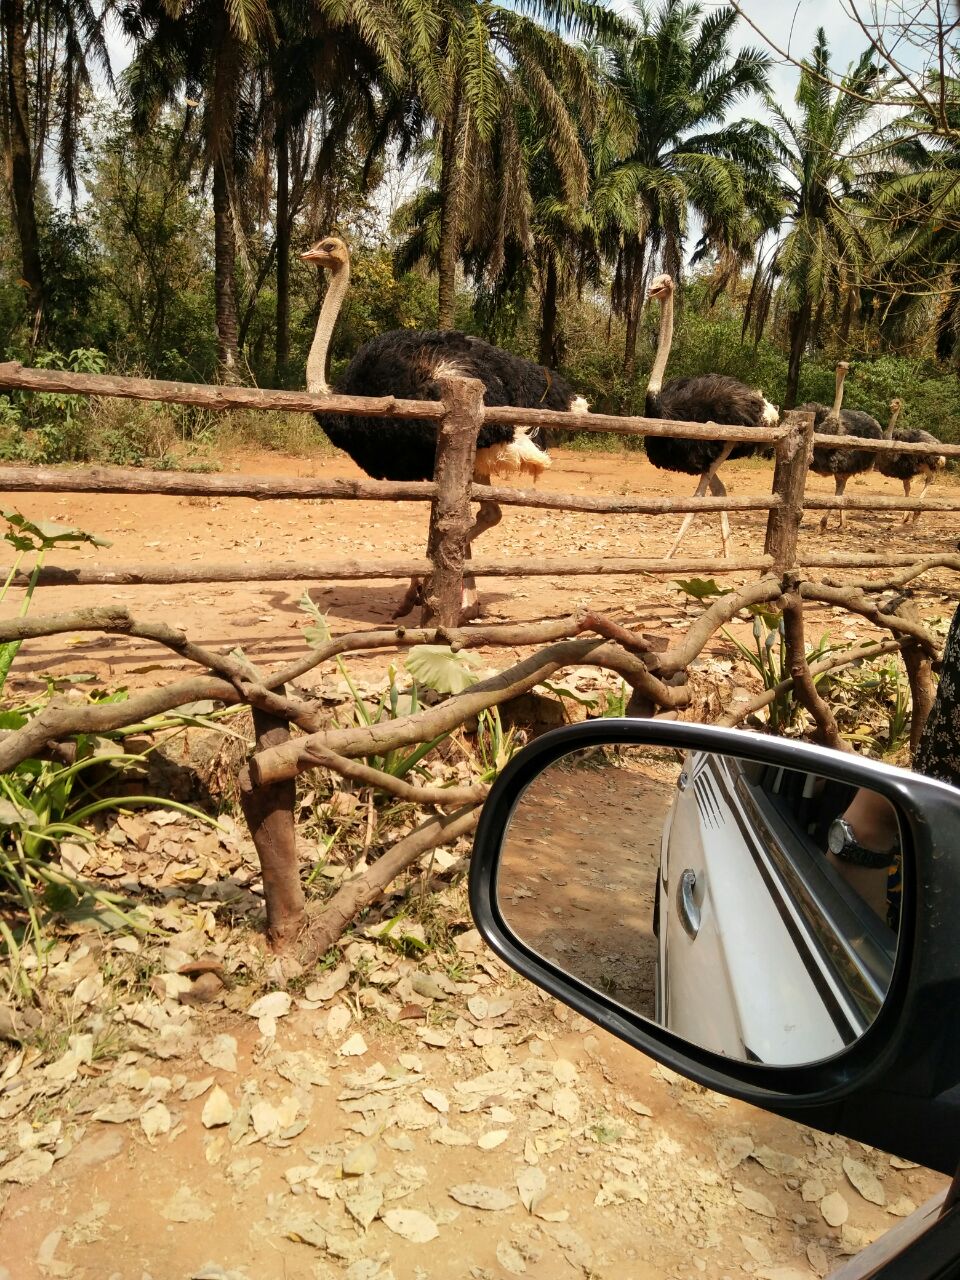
<point x="661" y="287"/>
<point x="896" y="408"/>
<point x="330" y="254"/>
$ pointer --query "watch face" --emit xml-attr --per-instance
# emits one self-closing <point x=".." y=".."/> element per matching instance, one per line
<point x="837" y="836"/>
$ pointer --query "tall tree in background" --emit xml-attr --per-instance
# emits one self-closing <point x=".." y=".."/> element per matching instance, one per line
<point x="679" y="79"/>
<point x="205" y="50"/>
<point x="825" y="153"/>
<point x="46" y="55"/>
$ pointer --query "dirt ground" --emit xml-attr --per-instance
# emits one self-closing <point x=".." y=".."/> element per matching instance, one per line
<point x="583" y="848"/>
<point x="641" y="1174"/>
<point x="265" y="619"/>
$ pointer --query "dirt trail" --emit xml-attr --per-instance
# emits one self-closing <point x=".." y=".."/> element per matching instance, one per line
<point x="265" y="619"/>
<point x="525" y="1142"/>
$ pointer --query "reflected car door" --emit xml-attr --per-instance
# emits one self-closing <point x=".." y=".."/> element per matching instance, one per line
<point x="732" y="867"/>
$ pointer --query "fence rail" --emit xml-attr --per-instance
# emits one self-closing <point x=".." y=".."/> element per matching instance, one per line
<point x="460" y="414"/>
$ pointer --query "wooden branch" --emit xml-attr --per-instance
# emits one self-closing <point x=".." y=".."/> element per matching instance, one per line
<point x="14" y="374"/>
<point x="827" y="729"/>
<point x="919" y="665"/>
<point x="62" y="717"/>
<point x="166" y="574"/>
<point x="324" y="928"/>
<point x="885" y="446"/>
<point x="450" y="510"/>
<point x="857" y="602"/>
<point x="892" y="580"/>
<point x="323" y="758"/>
<point x="292" y="759"/>
<point x="193" y="484"/>
<point x="878" y="502"/>
<point x="740" y="709"/>
<point x="626" y="426"/>
<point x="721" y="611"/>
<point x="21" y="479"/>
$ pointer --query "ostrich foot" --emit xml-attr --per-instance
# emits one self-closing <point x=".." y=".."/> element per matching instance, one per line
<point x="469" y="601"/>
<point x="412" y="597"/>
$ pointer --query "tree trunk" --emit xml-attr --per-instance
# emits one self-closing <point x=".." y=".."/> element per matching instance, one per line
<point x="224" y="273"/>
<point x="549" y="355"/>
<point x="18" y="160"/>
<point x="634" y="288"/>
<point x="799" y="333"/>
<point x="450" y="197"/>
<point x="223" y="115"/>
<point x="282" y="347"/>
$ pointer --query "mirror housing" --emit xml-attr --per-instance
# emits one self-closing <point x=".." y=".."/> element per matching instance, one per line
<point x="897" y="1086"/>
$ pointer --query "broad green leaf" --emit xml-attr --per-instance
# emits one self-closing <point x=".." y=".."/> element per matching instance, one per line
<point x="439" y="668"/>
<point x="702" y="588"/>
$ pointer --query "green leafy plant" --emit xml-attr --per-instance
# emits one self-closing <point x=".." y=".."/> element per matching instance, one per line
<point x="26" y="536"/>
<point x="769" y="660"/>
<point x="42" y="803"/>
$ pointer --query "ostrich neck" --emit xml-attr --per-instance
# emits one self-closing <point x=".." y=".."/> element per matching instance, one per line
<point x="332" y="302"/>
<point x="894" y="417"/>
<point x="838" y="396"/>
<point x="664" y="344"/>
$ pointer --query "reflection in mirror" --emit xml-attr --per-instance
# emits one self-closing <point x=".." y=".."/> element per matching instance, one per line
<point x="752" y="910"/>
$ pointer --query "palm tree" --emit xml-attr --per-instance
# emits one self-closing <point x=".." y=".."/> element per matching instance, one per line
<point x="679" y="80"/>
<point x="46" y="54"/>
<point x="205" y="50"/>
<point x="819" y="264"/>
<point x="479" y="70"/>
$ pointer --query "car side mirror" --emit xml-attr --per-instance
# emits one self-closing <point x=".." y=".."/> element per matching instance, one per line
<point x="773" y="919"/>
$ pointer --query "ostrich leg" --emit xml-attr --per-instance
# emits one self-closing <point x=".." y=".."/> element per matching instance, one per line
<point x="914" y="516"/>
<point x="412" y="597"/>
<point x="706" y="481"/>
<point x="839" y="484"/>
<point x="719" y="490"/>
<point x="841" y="488"/>
<point x="488" y="516"/>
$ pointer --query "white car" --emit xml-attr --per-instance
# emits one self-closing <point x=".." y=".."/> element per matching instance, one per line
<point x="743" y="878"/>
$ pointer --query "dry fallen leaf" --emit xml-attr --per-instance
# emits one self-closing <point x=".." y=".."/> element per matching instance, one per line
<point x="411" y="1224"/>
<point x="834" y="1209"/>
<point x="511" y="1259"/>
<point x="220" y="1052"/>
<point x="476" y="1196"/>
<point x="186" y="1206"/>
<point x="355" y="1047"/>
<point x="532" y="1186"/>
<point x="155" y="1120"/>
<point x="276" y="1004"/>
<point x="217" y="1110"/>
<point x="865" y="1180"/>
<point x="26" y="1168"/>
<point x="755" y="1201"/>
<point x="493" y="1138"/>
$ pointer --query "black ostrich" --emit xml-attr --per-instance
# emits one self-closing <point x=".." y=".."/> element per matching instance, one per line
<point x="907" y="467"/>
<point x="708" y="397"/>
<point x="842" y="463"/>
<point x="406" y="363"/>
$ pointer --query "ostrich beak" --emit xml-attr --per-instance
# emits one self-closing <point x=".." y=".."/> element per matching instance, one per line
<point x="313" y="254"/>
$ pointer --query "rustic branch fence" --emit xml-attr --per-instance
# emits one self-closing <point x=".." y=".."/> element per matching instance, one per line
<point x="658" y="678"/>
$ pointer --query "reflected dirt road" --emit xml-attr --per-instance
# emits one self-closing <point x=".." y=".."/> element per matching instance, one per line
<point x="579" y="868"/>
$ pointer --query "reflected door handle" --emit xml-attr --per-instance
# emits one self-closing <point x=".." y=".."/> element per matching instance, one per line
<point x="687" y="908"/>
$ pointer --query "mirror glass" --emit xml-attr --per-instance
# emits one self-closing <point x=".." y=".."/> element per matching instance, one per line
<point x="752" y="910"/>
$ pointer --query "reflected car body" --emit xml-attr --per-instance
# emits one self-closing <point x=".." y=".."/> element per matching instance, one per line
<point x="742" y="878"/>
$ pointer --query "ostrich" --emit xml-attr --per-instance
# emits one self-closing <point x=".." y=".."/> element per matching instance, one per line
<point x="841" y="463"/>
<point x="406" y="363"/>
<point x="907" y="466"/>
<point x="709" y="397"/>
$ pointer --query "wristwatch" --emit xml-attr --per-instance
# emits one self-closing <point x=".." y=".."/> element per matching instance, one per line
<point x="843" y="844"/>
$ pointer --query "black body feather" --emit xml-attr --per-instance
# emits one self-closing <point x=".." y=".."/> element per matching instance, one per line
<point x="853" y="422"/>
<point x="709" y="397"/>
<point x="403" y="363"/>
<point x="905" y="466"/>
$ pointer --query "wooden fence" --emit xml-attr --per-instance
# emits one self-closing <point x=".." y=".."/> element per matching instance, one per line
<point x="460" y="414"/>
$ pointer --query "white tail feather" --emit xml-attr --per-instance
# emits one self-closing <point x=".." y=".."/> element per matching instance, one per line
<point x="516" y="457"/>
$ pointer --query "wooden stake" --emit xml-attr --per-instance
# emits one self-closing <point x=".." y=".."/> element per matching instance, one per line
<point x="269" y="811"/>
<point x="450" y="510"/>
<point x="793" y="455"/>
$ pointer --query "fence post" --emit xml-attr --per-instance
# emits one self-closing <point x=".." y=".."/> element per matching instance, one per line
<point x="792" y="463"/>
<point x="269" y="811"/>
<point x="450" y="510"/>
